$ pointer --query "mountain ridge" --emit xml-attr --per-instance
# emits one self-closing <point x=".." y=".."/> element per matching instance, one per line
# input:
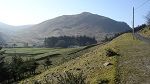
<point x="85" y="23"/>
<point x="80" y="24"/>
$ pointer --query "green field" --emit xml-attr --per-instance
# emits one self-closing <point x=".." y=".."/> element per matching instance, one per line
<point x="38" y="53"/>
<point x="56" y="55"/>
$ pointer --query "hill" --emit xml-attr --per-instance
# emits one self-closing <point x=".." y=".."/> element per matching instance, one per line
<point x="5" y="31"/>
<point x="1" y="37"/>
<point x="9" y="32"/>
<point x="86" y="23"/>
<point x="9" y="29"/>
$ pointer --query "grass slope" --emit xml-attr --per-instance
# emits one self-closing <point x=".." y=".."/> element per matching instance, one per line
<point x="90" y="63"/>
<point x="131" y="67"/>
<point x="145" y="32"/>
<point x="56" y="55"/>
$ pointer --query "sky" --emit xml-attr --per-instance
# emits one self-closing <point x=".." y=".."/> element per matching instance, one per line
<point x="24" y="12"/>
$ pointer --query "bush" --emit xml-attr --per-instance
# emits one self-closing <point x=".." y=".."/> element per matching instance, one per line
<point x="110" y="52"/>
<point x="3" y="67"/>
<point x="65" y="78"/>
<point x="70" y="78"/>
<point x="47" y="62"/>
<point x="103" y="81"/>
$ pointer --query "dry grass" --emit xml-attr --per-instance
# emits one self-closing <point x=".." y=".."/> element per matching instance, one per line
<point x="91" y="64"/>
<point x="129" y="67"/>
<point x="145" y="32"/>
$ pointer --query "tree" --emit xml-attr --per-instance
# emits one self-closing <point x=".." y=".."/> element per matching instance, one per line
<point x="32" y="66"/>
<point x="15" y="65"/>
<point x="61" y="43"/>
<point x="148" y="18"/>
<point x="3" y="68"/>
<point x="26" y="45"/>
<point x="1" y="64"/>
<point x="67" y="41"/>
<point x="16" y="69"/>
<point x="14" y="45"/>
<point x="19" y="68"/>
<point x="47" y="62"/>
<point x="5" y="45"/>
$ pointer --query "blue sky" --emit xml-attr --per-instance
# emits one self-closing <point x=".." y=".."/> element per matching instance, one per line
<point x="23" y="12"/>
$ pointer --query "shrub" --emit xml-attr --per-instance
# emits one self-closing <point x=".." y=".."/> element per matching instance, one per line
<point x="47" y="62"/>
<point x="70" y="78"/>
<point x="103" y="81"/>
<point x="110" y="52"/>
<point x="3" y="67"/>
<point x="65" y="78"/>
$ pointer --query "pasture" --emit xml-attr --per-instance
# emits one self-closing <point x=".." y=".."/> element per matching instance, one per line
<point x="56" y="55"/>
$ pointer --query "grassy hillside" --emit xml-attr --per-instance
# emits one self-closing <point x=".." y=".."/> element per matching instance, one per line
<point x="56" y="55"/>
<point x="146" y="32"/>
<point x="90" y="63"/>
<point x="127" y="68"/>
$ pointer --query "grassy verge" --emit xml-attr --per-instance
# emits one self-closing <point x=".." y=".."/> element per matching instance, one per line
<point x="145" y="32"/>
<point x="134" y="60"/>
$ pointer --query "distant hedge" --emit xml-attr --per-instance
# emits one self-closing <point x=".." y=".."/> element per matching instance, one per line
<point x="69" y="41"/>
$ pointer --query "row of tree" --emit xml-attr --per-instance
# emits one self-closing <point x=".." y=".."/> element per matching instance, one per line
<point x="69" y="41"/>
<point x="18" y="68"/>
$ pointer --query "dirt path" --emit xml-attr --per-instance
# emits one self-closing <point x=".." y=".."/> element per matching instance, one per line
<point x="134" y="65"/>
<point x="140" y="37"/>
